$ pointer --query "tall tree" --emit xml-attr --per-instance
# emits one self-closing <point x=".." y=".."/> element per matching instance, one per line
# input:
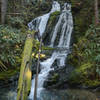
<point x="96" y="12"/>
<point x="3" y="10"/>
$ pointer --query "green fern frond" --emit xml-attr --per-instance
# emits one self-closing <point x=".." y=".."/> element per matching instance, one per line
<point x="2" y="66"/>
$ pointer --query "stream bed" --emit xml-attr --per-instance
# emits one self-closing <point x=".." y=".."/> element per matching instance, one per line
<point x="69" y="94"/>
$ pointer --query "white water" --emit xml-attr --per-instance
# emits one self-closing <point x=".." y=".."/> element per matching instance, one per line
<point x="66" y="18"/>
<point x="64" y="42"/>
<point x="40" y="23"/>
<point x="45" y="68"/>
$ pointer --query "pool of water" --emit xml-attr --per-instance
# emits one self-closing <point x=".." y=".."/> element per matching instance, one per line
<point x="69" y="94"/>
<point x="8" y="92"/>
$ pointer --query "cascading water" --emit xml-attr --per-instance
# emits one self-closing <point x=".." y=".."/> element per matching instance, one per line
<point x="64" y="42"/>
<point x="40" y="23"/>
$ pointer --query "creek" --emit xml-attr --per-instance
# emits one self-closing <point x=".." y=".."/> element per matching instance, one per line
<point x="63" y="28"/>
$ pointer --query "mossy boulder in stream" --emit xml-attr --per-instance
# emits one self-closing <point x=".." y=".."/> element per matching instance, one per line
<point x="50" y="27"/>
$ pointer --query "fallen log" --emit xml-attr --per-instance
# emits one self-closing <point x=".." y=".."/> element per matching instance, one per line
<point x="24" y="83"/>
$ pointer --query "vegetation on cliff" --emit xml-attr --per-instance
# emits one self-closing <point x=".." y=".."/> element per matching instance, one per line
<point x="85" y="56"/>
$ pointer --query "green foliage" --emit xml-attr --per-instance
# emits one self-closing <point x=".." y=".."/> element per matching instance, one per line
<point x="32" y="10"/>
<point x="85" y="56"/>
<point x="83" y="15"/>
<point x="53" y="17"/>
<point x="16" y="21"/>
<point x="56" y="13"/>
<point x="8" y="73"/>
<point x="2" y="66"/>
<point x="11" y="41"/>
<point x="81" y="73"/>
<point x="92" y="83"/>
<point x="50" y="26"/>
<point x="55" y="77"/>
<point x="97" y="58"/>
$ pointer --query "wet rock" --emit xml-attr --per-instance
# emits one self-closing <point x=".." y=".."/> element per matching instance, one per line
<point x="97" y="89"/>
<point x="50" y="27"/>
<point x="58" y="78"/>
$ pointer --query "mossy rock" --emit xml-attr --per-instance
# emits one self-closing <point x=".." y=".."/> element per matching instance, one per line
<point x="53" y="17"/>
<point x="50" y="27"/>
<point x="81" y="74"/>
<point x="55" y="77"/>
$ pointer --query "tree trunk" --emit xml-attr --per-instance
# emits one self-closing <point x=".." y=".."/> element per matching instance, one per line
<point x="96" y="12"/>
<point x="3" y="10"/>
<point x="37" y="71"/>
<point x="24" y="84"/>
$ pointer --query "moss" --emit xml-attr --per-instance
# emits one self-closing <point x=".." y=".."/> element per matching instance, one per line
<point x="53" y="17"/>
<point x="23" y="90"/>
<point x="56" y="13"/>
<point x="55" y="77"/>
<point x="91" y="83"/>
<point x="84" y="75"/>
<point x="84" y="68"/>
<point x="80" y="74"/>
<point x="50" y="27"/>
<point x="47" y="48"/>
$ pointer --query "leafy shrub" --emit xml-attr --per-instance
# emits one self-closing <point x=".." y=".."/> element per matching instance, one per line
<point x="86" y="50"/>
<point x="16" y="21"/>
<point x="11" y="44"/>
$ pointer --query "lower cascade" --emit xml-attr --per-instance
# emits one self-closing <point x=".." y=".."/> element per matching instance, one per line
<point x="65" y="24"/>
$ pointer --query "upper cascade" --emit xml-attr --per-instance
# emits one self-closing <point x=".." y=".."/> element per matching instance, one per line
<point x="55" y="7"/>
<point x="39" y="23"/>
<point x="65" y="26"/>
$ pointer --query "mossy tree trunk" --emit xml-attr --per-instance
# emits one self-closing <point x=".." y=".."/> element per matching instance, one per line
<point x="24" y="84"/>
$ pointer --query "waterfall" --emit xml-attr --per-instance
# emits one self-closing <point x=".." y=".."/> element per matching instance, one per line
<point x="40" y="23"/>
<point x="65" y="24"/>
<point x="66" y="18"/>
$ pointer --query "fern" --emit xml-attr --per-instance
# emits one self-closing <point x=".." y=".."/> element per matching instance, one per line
<point x="2" y="66"/>
<point x="97" y="58"/>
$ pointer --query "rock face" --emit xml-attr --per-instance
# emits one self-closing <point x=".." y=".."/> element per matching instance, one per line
<point x="50" y="27"/>
<point x="58" y="78"/>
